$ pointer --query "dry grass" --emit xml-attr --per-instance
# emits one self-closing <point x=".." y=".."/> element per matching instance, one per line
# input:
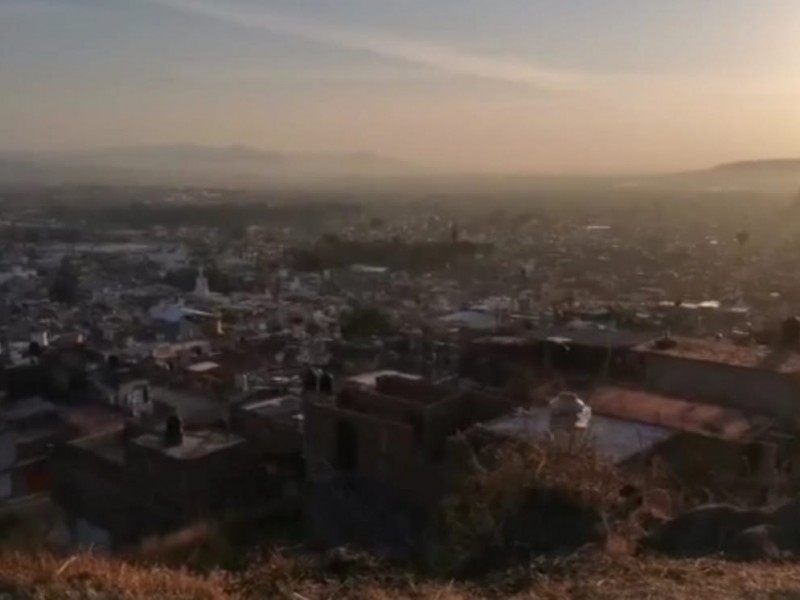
<point x="645" y="578"/>
<point x="475" y="514"/>
<point x="610" y="572"/>
<point x="592" y="576"/>
<point x="44" y="576"/>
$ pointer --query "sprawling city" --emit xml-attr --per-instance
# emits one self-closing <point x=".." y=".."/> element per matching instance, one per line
<point x="342" y="368"/>
<point x="452" y="300"/>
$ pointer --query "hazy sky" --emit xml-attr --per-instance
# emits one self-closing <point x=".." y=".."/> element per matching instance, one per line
<point x="544" y="85"/>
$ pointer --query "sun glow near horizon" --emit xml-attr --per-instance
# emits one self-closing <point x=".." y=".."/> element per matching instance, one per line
<point x="506" y="86"/>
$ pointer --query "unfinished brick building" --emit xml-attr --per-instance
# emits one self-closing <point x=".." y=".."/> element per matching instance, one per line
<point x="119" y="487"/>
<point x="380" y="455"/>
<point x="396" y="433"/>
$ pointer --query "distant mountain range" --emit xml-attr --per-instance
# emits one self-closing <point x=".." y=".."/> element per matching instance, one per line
<point x="762" y="174"/>
<point x="778" y="166"/>
<point x="770" y="175"/>
<point x="242" y="158"/>
<point x="188" y="164"/>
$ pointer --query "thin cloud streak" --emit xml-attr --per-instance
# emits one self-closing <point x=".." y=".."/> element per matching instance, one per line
<point x="442" y="58"/>
<point x="30" y="8"/>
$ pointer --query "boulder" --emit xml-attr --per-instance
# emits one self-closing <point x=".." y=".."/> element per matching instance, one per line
<point x="704" y="530"/>
<point x="765" y="533"/>
<point x="759" y="543"/>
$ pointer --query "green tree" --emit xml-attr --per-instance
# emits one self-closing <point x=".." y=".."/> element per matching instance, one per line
<point x="366" y="321"/>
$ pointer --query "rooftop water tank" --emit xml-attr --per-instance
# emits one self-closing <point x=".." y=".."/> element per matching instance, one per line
<point x="569" y="412"/>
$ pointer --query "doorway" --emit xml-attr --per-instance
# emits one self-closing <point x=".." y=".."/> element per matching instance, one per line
<point x="346" y="446"/>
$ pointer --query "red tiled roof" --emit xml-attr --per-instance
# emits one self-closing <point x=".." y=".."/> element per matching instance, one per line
<point x="681" y="415"/>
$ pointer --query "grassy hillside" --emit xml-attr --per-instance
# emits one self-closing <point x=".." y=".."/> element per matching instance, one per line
<point x="591" y="576"/>
<point x="207" y="562"/>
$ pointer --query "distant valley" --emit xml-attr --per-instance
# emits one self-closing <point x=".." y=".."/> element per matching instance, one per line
<point x="231" y="166"/>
